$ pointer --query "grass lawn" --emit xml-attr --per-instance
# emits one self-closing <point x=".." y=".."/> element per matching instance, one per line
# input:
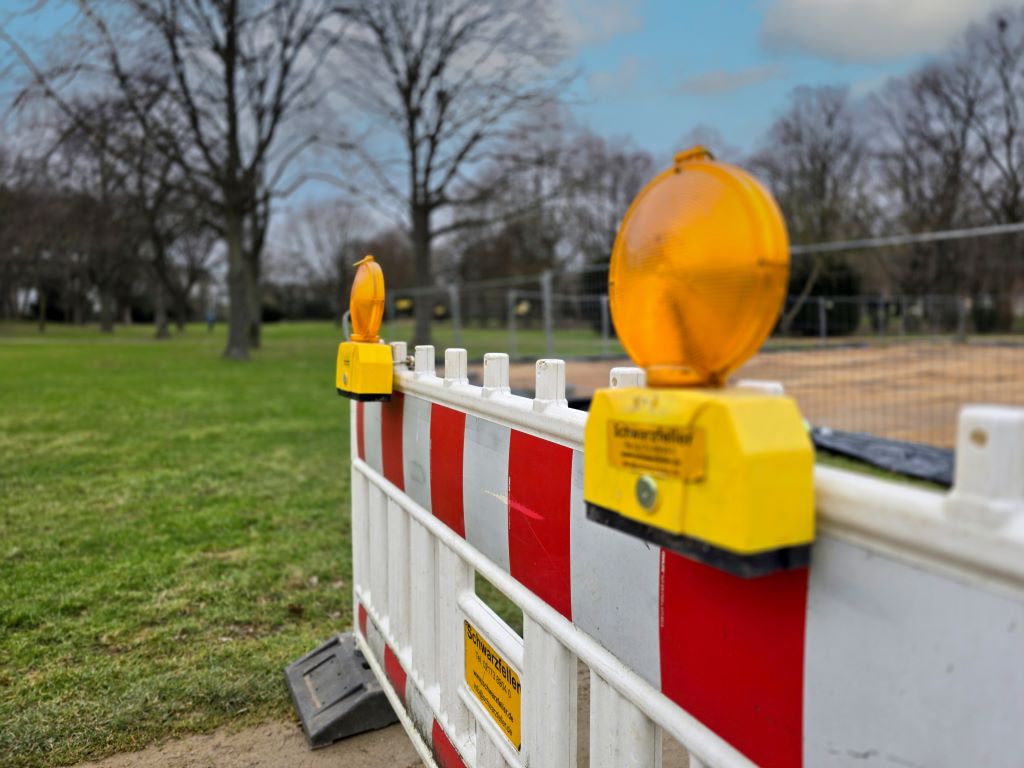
<point x="173" y="531"/>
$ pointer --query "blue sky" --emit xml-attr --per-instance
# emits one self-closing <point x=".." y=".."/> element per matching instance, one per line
<point x="651" y="71"/>
<point x="654" y="70"/>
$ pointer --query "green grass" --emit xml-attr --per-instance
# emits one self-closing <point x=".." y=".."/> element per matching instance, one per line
<point x="172" y="532"/>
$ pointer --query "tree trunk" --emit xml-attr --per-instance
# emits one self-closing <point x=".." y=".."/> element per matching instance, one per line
<point x="106" y="311"/>
<point x="238" y="292"/>
<point x="160" y="309"/>
<point x="255" y="300"/>
<point x="421" y="259"/>
<point x="180" y="312"/>
<point x="41" y="301"/>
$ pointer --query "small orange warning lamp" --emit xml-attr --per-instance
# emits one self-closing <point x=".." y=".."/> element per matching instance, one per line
<point x="364" y="370"/>
<point x="698" y="275"/>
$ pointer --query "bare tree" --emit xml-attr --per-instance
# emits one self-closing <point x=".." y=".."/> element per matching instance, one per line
<point x="318" y="244"/>
<point x="449" y="80"/>
<point x="218" y="87"/>
<point x="815" y="161"/>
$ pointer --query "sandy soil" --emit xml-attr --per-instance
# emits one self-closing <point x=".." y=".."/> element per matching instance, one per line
<point x="907" y="391"/>
<point x="282" y="745"/>
<point x="271" y="745"/>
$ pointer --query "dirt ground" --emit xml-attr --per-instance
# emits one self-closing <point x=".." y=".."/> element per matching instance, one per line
<point x="909" y="391"/>
<point x="282" y="745"/>
<point x="271" y="745"/>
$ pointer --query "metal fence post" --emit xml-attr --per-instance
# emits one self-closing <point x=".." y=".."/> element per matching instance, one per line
<point x="605" y="327"/>
<point x="822" y="319"/>
<point x="510" y="298"/>
<point x="456" y="312"/>
<point x="549" y="320"/>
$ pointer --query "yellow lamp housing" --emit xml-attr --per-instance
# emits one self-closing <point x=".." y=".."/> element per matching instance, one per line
<point x="364" y="370"/>
<point x="720" y="476"/>
<point x="697" y="277"/>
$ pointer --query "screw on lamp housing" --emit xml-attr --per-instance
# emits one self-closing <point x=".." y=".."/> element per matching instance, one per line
<point x="697" y="278"/>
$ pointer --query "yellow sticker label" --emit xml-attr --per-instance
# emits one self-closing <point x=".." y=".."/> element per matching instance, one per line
<point x="660" y="449"/>
<point x="494" y="683"/>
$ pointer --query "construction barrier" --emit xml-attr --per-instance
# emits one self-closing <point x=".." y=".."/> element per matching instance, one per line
<point x="901" y="645"/>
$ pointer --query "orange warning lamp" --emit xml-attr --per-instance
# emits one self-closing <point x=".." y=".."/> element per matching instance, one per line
<point x="366" y="302"/>
<point x="698" y="272"/>
<point x="698" y="275"/>
<point x="364" y="369"/>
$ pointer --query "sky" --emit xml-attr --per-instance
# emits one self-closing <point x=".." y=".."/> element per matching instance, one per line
<point x="655" y="69"/>
<point x="652" y="71"/>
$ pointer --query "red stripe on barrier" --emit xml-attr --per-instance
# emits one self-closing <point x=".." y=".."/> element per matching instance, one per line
<point x="445" y="754"/>
<point x="732" y="655"/>
<point x="362" y="620"/>
<point x="360" y="428"/>
<point x="391" y="438"/>
<point x="447" y="442"/>
<point x="396" y="674"/>
<point x="539" y="490"/>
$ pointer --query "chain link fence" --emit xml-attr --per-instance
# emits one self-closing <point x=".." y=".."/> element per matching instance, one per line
<point x="888" y="363"/>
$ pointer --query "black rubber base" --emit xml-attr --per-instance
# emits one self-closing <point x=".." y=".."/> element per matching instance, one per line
<point x="744" y="566"/>
<point x="336" y="693"/>
<point x="364" y="398"/>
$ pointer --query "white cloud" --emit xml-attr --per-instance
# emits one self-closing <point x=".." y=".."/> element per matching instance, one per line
<point x="617" y="80"/>
<point x="589" y="22"/>
<point x="868" y="30"/>
<point x="716" y="81"/>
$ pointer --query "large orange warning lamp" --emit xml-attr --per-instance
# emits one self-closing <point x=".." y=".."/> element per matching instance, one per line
<point x="364" y="370"/>
<point x="698" y="275"/>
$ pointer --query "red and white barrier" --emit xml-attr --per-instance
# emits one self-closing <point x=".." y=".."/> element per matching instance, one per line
<point x="902" y="644"/>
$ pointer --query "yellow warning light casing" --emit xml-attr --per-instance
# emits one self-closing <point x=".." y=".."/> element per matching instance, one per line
<point x="723" y="476"/>
<point x="697" y="278"/>
<point x="698" y="272"/>
<point x="364" y="369"/>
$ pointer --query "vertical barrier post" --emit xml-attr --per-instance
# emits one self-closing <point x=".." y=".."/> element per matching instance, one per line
<point x="961" y="318"/>
<point x="398" y="574"/>
<point x="822" y="320"/>
<point x="605" y="326"/>
<point x="549" y="315"/>
<point x="455" y="309"/>
<point x="621" y="736"/>
<point x="495" y="374"/>
<point x="360" y="532"/>
<point x="549" y="699"/>
<point x="510" y="299"/>
<point x="453" y="577"/>
<point x="378" y="560"/>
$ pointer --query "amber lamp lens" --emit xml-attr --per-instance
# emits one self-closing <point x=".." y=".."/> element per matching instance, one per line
<point x="698" y="272"/>
<point x="366" y="304"/>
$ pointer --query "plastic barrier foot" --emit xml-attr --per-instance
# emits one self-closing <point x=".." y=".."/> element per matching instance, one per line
<point x="336" y="693"/>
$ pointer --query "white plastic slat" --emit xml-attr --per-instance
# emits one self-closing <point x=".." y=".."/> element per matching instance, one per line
<point x="422" y="609"/>
<point x="549" y="699"/>
<point x="621" y="736"/>
<point x="378" y="560"/>
<point x="398" y="574"/>
<point x="453" y="577"/>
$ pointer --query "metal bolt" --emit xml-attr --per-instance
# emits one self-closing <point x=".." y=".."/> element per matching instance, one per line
<point x="646" y="492"/>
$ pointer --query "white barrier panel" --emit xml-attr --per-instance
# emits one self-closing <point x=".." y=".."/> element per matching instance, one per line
<point x="902" y="644"/>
